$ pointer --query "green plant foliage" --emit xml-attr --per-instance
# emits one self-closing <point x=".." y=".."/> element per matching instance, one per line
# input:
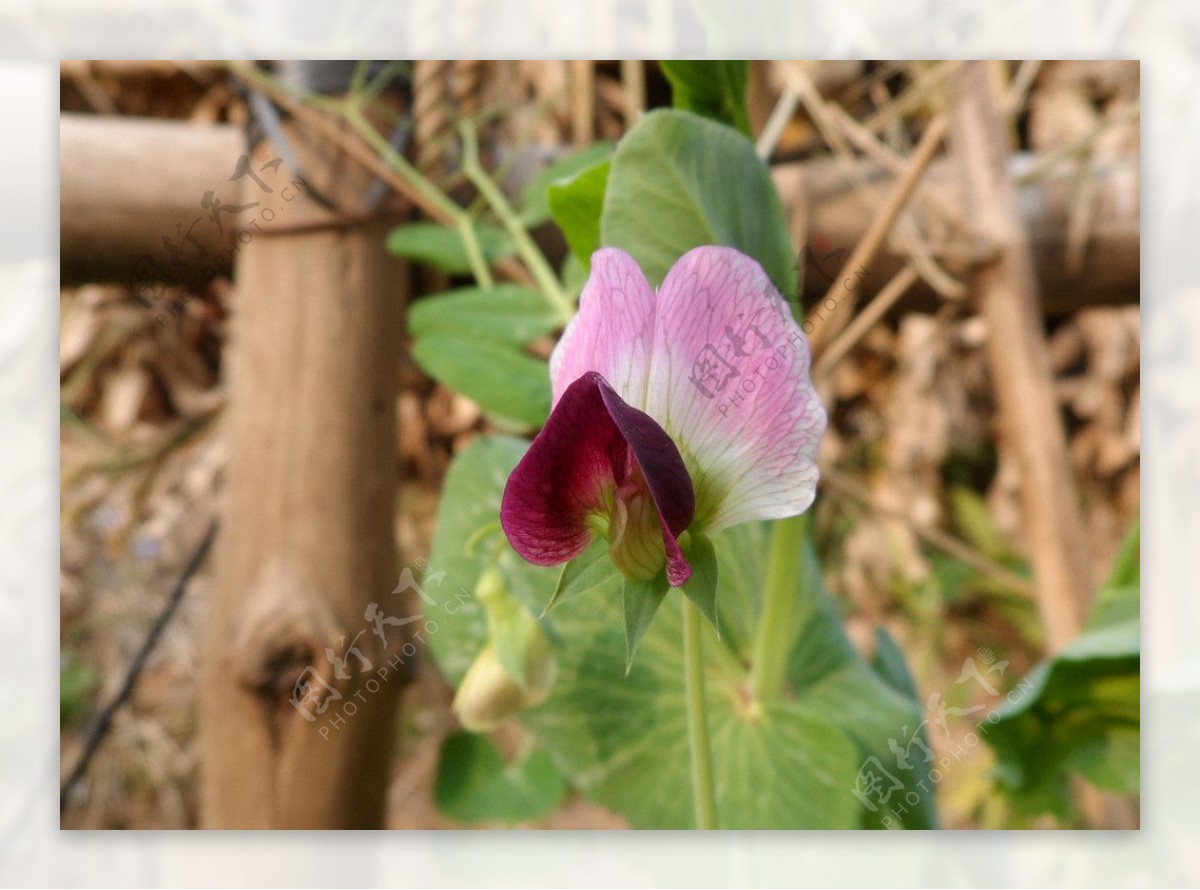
<point x="474" y="341"/>
<point x="680" y="181"/>
<point x="714" y="89"/>
<point x="576" y="204"/>
<point x="584" y="573"/>
<point x="792" y="762"/>
<point x="639" y="604"/>
<point x="442" y="247"/>
<point x="535" y="205"/>
<point x="474" y="784"/>
<point x="1079" y="712"/>
<point x="77" y="682"/>
<point x="508" y="313"/>
<point x="890" y="666"/>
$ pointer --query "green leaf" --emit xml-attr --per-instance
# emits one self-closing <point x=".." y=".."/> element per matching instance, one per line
<point x="473" y="339"/>
<point x="977" y="524"/>
<point x="701" y="588"/>
<point x="640" y="601"/>
<point x="715" y="89"/>
<point x="793" y="762"/>
<point x="576" y="205"/>
<point x="442" y="247"/>
<point x="889" y="663"/>
<point x="507" y="312"/>
<point x="499" y="377"/>
<point x="586" y="572"/>
<point x="1080" y="711"/>
<point x="474" y="784"/>
<point x="1127" y="567"/>
<point x="535" y="208"/>
<point x="680" y="181"/>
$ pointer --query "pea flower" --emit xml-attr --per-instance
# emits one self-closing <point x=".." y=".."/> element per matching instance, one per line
<point x="689" y="410"/>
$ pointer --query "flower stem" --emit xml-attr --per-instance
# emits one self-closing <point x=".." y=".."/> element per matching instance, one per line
<point x="776" y="631"/>
<point x="693" y="666"/>
<point x="529" y="252"/>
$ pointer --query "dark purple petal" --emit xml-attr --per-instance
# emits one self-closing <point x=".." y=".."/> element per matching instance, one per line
<point x="583" y="452"/>
<point x="678" y="570"/>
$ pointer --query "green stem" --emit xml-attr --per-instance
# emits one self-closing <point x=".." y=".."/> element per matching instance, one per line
<point x="462" y="220"/>
<point x="693" y="665"/>
<point x="776" y="630"/>
<point x="475" y="257"/>
<point x="529" y="252"/>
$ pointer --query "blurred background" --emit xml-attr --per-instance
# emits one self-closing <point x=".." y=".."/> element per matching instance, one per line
<point x="920" y="518"/>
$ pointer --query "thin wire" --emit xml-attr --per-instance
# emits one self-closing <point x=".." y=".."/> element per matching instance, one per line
<point x="103" y="723"/>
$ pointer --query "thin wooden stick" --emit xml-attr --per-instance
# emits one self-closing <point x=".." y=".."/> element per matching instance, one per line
<point x="1009" y="301"/>
<point x="823" y="115"/>
<point x="865" y="320"/>
<point x="943" y="541"/>
<point x="583" y="100"/>
<point x="913" y="98"/>
<point x="1045" y="163"/>
<point x="877" y="231"/>
<point x="633" y="85"/>
<point x="777" y="123"/>
<point x="896" y="164"/>
<point x="1019" y="88"/>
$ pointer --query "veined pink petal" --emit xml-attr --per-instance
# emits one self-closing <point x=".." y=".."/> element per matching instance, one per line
<point x="591" y="445"/>
<point x="729" y="383"/>
<point x="612" y="331"/>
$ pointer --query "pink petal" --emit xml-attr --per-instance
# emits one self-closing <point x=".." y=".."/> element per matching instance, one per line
<point x="729" y="383"/>
<point x="612" y="331"/>
<point x="581" y="455"/>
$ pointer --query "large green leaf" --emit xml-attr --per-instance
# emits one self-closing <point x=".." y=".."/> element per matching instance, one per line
<point x="506" y="312"/>
<point x="794" y="762"/>
<point x="1080" y="711"/>
<point x="576" y="205"/>
<point x="713" y="88"/>
<point x="535" y="206"/>
<point x="679" y="181"/>
<point x="474" y="784"/>
<point x="441" y="247"/>
<point x="473" y="340"/>
<point x="504" y="381"/>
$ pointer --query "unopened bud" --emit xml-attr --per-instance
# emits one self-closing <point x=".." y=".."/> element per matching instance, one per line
<point x="490" y="589"/>
<point x="488" y="696"/>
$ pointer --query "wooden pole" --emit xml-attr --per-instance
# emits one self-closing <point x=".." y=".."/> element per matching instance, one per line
<point x="299" y="693"/>
<point x="1031" y="424"/>
<point x="127" y="183"/>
